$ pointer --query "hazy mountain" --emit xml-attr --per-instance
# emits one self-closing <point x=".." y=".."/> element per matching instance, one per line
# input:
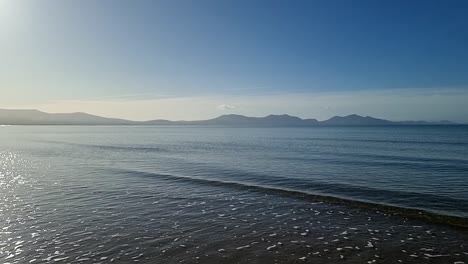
<point x="355" y="120"/>
<point x="442" y="122"/>
<point x="35" y="117"/>
<point x="240" y="120"/>
<point x="271" y="120"/>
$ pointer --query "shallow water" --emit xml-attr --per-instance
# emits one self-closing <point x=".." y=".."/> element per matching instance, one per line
<point x="199" y="194"/>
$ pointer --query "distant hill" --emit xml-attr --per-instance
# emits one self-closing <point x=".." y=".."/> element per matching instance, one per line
<point x="240" y="120"/>
<point x="355" y="120"/>
<point x="35" y="117"/>
<point x="271" y="120"/>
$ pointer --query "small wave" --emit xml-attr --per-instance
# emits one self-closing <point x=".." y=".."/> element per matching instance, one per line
<point x="384" y="207"/>
<point x="453" y="166"/>
<point x="385" y="141"/>
<point x="125" y="148"/>
<point x="111" y="147"/>
<point x="397" y="158"/>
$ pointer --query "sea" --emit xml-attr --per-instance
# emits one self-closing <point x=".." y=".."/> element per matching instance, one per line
<point x="214" y="194"/>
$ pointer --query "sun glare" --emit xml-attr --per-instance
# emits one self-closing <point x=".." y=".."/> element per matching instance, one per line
<point x="6" y="12"/>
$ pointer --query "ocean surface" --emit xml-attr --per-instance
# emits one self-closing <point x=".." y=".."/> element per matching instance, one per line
<point x="125" y="194"/>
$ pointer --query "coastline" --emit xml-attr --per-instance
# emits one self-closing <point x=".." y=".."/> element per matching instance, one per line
<point x="99" y="195"/>
<point x="413" y="213"/>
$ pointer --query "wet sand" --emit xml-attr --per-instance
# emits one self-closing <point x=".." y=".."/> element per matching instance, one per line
<point x="300" y="231"/>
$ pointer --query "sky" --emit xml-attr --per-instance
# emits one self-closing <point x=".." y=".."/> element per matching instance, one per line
<point x="186" y="60"/>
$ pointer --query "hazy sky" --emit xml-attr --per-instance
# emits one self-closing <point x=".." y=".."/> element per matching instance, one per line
<point x="199" y="59"/>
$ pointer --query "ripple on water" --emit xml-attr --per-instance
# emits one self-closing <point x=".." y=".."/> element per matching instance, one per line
<point x="69" y="213"/>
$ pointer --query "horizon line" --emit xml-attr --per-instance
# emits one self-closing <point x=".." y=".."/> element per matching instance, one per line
<point x="231" y="114"/>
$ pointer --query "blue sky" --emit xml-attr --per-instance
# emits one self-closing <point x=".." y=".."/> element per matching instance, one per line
<point x="193" y="57"/>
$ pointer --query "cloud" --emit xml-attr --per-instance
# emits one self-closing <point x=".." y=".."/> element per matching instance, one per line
<point x="225" y="107"/>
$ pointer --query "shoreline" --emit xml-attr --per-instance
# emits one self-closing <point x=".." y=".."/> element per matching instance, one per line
<point x="413" y="213"/>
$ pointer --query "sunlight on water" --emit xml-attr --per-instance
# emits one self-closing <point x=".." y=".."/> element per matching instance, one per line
<point x="146" y="195"/>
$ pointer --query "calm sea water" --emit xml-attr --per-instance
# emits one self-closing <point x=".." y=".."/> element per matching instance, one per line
<point x="186" y="194"/>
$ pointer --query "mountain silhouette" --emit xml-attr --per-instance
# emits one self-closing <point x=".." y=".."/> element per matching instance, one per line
<point x="36" y="117"/>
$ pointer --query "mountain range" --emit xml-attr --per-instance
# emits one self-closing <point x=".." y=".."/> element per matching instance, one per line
<point x="36" y="117"/>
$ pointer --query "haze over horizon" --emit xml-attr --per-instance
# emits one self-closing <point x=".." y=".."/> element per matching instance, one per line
<point x="181" y="60"/>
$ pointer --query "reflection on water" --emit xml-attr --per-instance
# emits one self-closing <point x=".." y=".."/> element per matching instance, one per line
<point x="90" y="195"/>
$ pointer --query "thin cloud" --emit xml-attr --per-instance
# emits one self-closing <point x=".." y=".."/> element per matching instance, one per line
<point x="226" y="107"/>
